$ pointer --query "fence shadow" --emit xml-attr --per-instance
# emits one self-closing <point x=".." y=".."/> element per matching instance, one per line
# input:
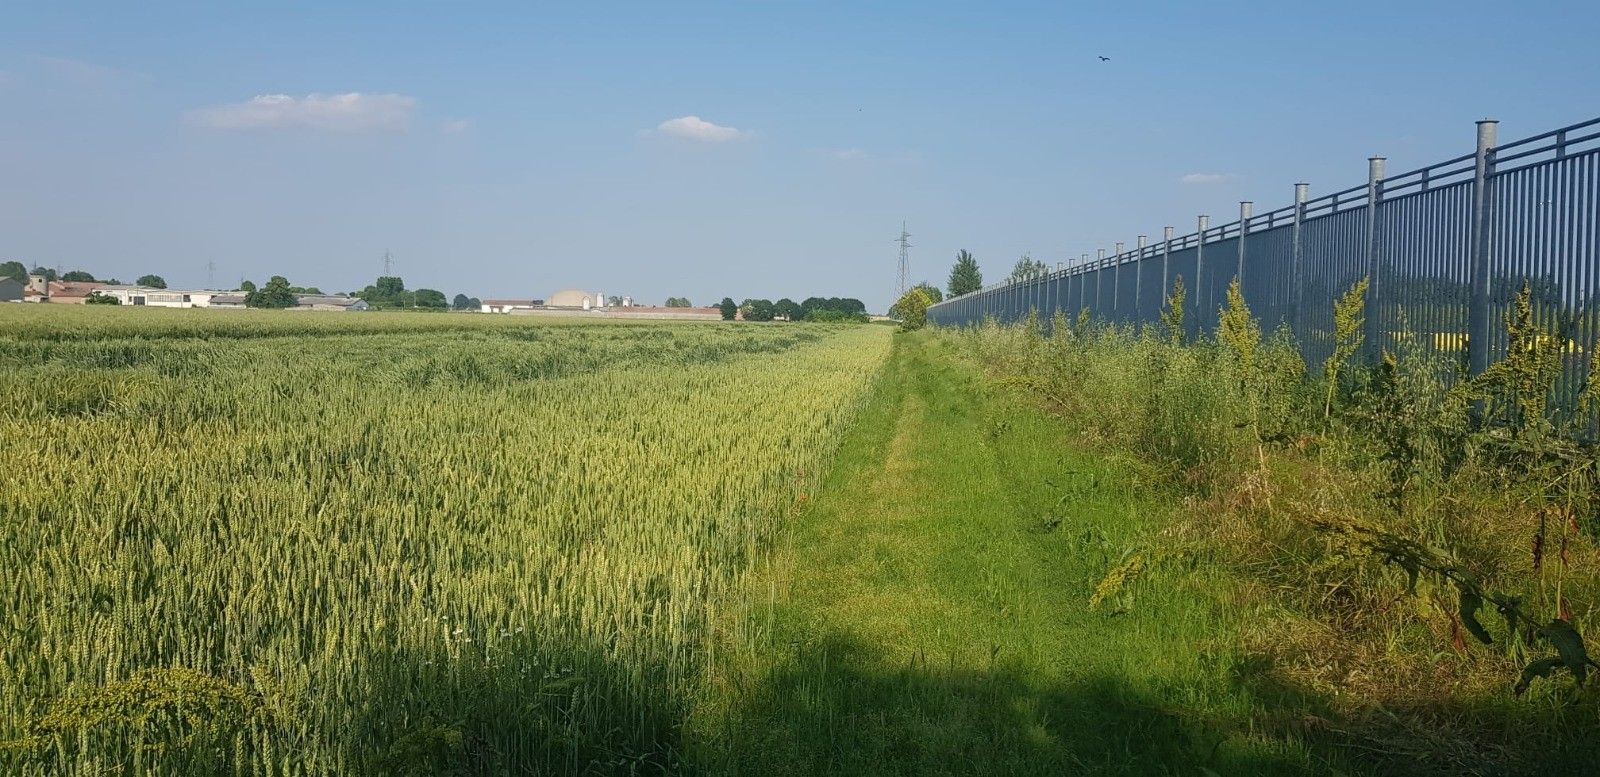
<point x="836" y="708"/>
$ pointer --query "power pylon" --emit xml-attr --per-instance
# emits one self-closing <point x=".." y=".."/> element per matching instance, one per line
<point x="905" y="262"/>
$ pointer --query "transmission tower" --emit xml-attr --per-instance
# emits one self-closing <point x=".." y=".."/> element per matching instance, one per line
<point x="211" y="274"/>
<point x="905" y="261"/>
<point x="387" y="261"/>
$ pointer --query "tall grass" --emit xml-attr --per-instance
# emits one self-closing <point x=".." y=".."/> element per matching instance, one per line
<point x="330" y="544"/>
<point x="1330" y="495"/>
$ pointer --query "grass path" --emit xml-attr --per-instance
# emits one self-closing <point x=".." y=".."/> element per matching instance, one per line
<point x="930" y="614"/>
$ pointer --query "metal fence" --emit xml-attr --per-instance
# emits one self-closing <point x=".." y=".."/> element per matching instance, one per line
<point x="1445" y="248"/>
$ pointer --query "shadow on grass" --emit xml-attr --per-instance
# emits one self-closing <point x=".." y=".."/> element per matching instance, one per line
<point x="1421" y="731"/>
<point x="837" y="709"/>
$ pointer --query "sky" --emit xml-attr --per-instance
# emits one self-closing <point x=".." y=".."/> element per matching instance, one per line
<point x="751" y="150"/>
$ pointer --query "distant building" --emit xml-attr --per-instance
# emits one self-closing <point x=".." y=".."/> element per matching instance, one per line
<point x="508" y="305"/>
<point x="235" y="301"/>
<point x="577" y="299"/>
<point x="328" y="302"/>
<point x="157" y="298"/>
<point x="11" y="290"/>
<point x="629" y="312"/>
<point x="69" y="292"/>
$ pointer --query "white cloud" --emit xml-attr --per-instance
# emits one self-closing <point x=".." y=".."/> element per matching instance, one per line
<point x="352" y="112"/>
<point x="456" y="126"/>
<point x="850" y="154"/>
<point x="1207" y="178"/>
<point x="696" y="128"/>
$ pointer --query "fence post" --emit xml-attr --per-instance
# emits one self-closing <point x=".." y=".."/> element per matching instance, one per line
<point x="1138" y="278"/>
<point x="1166" y="254"/>
<point x="1375" y="315"/>
<point x="1043" y="282"/>
<point x="1204" y="223"/>
<point x="1083" y="294"/>
<point x="1057" y="281"/>
<point x="1296" y="254"/>
<point x="1244" y="230"/>
<point x="1099" y="277"/>
<point x="1116" y="279"/>
<point x="1478" y="262"/>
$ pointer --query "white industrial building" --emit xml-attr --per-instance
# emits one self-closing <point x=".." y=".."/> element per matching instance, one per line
<point x="157" y="298"/>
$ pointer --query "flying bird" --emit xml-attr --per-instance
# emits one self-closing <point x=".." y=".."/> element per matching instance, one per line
<point x="1105" y="59"/>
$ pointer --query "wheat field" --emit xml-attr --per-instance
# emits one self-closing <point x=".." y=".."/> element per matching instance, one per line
<point x="269" y="543"/>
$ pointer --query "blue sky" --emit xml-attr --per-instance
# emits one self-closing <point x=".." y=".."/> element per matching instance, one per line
<point x="513" y="149"/>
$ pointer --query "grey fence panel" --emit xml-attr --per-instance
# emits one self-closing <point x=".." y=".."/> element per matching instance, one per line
<point x="1445" y="247"/>
<point x="1426" y="295"/>
<point x="1333" y="259"/>
<point x="1220" y="262"/>
<point x="1181" y="264"/>
<point x="1544" y="235"/>
<point x="1265" y="283"/>
<point x="1151" y="294"/>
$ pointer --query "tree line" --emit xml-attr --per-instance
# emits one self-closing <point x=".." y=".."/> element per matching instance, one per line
<point x="822" y="309"/>
<point x="20" y="272"/>
<point x="965" y="278"/>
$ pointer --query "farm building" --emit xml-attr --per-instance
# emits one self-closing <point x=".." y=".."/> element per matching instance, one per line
<point x="328" y="302"/>
<point x="69" y="292"/>
<point x="508" y="305"/>
<point x="576" y="298"/>
<point x="157" y="298"/>
<point x="235" y="301"/>
<point x="11" y="290"/>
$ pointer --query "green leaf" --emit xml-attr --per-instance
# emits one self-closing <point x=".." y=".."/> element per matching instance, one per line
<point x="1541" y="668"/>
<point x="1470" y="602"/>
<point x="1570" y="645"/>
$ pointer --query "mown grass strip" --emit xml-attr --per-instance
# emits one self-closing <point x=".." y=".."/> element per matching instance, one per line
<point x="931" y="614"/>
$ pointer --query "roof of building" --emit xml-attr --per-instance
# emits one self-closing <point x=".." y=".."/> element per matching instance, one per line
<point x="527" y="302"/>
<point x="572" y="298"/>
<point x="652" y="309"/>
<point x="326" y="299"/>
<point x="73" y="288"/>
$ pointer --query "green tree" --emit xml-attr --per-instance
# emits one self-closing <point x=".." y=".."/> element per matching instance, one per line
<point x="461" y="302"/>
<point x="388" y="291"/>
<point x="14" y="270"/>
<point x="679" y="302"/>
<point x="152" y="281"/>
<point x="729" y="308"/>
<point x="758" y="310"/>
<point x="933" y="293"/>
<point x="304" y="290"/>
<point x="247" y="286"/>
<point x="78" y="276"/>
<point x="912" y="309"/>
<point x="275" y="294"/>
<point x="614" y="300"/>
<point x="1026" y="267"/>
<point x="101" y="299"/>
<point x="429" y="298"/>
<point x="788" y="310"/>
<point x="965" y="277"/>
